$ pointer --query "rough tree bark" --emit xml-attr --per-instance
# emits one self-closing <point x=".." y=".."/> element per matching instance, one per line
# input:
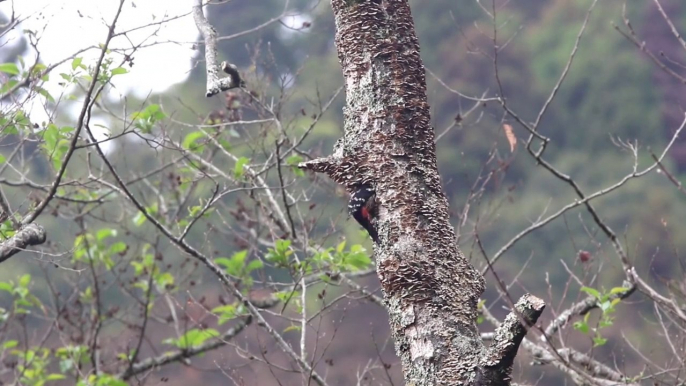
<point x="31" y="234"/>
<point x="430" y="290"/>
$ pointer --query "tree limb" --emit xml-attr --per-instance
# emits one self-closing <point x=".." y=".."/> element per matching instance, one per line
<point x="215" y="85"/>
<point x="496" y="363"/>
<point x="32" y="234"/>
<point x="581" y="308"/>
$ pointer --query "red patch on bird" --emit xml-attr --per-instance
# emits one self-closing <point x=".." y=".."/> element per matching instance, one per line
<point x="365" y="212"/>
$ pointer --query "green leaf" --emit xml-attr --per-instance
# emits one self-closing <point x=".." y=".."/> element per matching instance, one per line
<point x="591" y="291"/>
<point x="139" y="219"/>
<point x="50" y="135"/>
<point x="119" y="71"/>
<point x="581" y="327"/>
<point x="239" y="169"/>
<point x="282" y="245"/>
<point x="605" y="306"/>
<point x="24" y="280"/>
<point x="153" y="111"/>
<point x="358" y="261"/>
<point x="599" y="341"/>
<point x="291" y="328"/>
<point x="75" y="63"/>
<point x="9" y="68"/>
<point x="163" y="280"/>
<point x="10" y="344"/>
<point x="293" y="161"/>
<point x="66" y="365"/>
<point x="253" y="265"/>
<point x="618" y="290"/>
<point x="226" y="313"/>
<point x="7" y="86"/>
<point x="55" y="377"/>
<point x="279" y="255"/>
<point x="38" y="67"/>
<point x="6" y="287"/>
<point x="101" y="380"/>
<point x="235" y="265"/>
<point x="225" y="144"/>
<point x="145" y="119"/>
<point x="189" y="141"/>
<point x="605" y="322"/>
<point x="105" y="233"/>
<point x="45" y="93"/>
<point x="194" y="337"/>
<point x="58" y="154"/>
<point x="118" y="247"/>
<point x="223" y="261"/>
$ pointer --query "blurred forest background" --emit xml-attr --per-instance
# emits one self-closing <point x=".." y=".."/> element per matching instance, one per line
<point x="613" y="94"/>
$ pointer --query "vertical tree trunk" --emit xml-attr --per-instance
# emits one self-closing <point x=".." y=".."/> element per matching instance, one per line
<point x="431" y="290"/>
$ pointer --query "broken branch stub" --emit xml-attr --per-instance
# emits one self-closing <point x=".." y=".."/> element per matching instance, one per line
<point x="215" y="84"/>
<point x="496" y="363"/>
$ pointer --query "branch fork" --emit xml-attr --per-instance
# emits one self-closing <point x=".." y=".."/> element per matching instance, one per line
<point x="496" y="362"/>
<point x="215" y="84"/>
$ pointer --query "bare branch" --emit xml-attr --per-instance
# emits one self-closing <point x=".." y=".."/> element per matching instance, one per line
<point x="209" y="263"/>
<point x="496" y="363"/>
<point x="675" y="31"/>
<point x="31" y="234"/>
<point x="572" y="362"/>
<point x="581" y="308"/>
<point x="215" y="85"/>
<point x="79" y="126"/>
<point x="179" y="355"/>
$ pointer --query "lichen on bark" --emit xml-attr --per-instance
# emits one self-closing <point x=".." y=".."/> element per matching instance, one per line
<point x="430" y="289"/>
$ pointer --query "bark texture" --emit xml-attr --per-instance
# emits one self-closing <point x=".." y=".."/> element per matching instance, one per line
<point x="496" y="363"/>
<point x="430" y="289"/>
<point x="215" y="84"/>
<point x="32" y="234"/>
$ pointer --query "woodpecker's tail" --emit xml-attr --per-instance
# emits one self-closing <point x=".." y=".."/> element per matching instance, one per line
<point x="372" y="232"/>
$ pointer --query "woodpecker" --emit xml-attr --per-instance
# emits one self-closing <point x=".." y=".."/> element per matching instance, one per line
<point x="362" y="207"/>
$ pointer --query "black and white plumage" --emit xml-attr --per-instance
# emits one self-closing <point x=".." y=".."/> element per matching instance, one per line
<point x="362" y="207"/>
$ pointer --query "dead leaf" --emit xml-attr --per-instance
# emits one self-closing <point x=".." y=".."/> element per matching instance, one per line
<point x="509" y="133"/>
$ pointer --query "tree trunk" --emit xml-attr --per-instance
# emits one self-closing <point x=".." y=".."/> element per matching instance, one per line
<point x="430" y="289"/>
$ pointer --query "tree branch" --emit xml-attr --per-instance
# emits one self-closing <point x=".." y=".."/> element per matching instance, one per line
<point x="597" y="371"/>
<point x="496" y="363"/>
<point x="581" y="368"/>
<point x="215" y="85"/>
<point x="581" y="308"/>
<point x="174" y="356"/>
<point x="32" y="234"/>
<point x="209" y="263"/>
